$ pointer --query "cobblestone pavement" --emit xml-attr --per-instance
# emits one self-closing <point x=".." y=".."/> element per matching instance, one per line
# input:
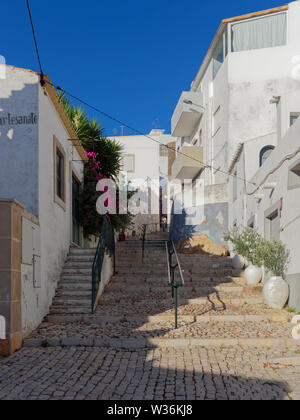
<point x="174" y="374"/>
<point x="129" y="349"/>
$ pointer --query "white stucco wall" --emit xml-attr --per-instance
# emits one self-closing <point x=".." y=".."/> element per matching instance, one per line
<point x="149" y="164"/>
<point x="242" y="90"/>
<point x="27" y="174"/>
<point x="19" y="142"/>
<point x="290" y="218"/>
<point x="55" y="222"/>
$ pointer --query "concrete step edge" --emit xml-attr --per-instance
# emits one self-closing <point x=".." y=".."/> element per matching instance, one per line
<point x="141" y="343"/>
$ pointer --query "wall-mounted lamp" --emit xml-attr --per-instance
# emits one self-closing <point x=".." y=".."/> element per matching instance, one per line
<point x="189" y="102"/>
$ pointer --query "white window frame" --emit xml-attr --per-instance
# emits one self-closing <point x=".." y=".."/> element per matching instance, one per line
<point x="133" y="163"/>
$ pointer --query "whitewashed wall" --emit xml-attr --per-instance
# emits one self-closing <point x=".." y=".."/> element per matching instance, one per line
<point x="27" y="174"/>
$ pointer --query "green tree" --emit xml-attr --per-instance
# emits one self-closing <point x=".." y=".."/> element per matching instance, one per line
<point x="104" y="161"/>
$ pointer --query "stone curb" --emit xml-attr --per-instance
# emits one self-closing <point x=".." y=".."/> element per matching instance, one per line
<point x="275" y="318"/>
<point x="141" y="343"/>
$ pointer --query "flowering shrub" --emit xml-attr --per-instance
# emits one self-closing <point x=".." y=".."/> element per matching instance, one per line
<point x="104" y="162"/>
<point x="90" y="219"/>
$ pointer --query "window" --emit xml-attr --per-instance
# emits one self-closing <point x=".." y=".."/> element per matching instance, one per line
<point x="163" y="151"/>
<point x="218" y="57"/>
<point x="272" y="225"/>
<point x="294" y="176"/>
<point x="293" y="117"/>
<point x="128" y="163"/>
<point x="75" y="210"/>
<point x="264" y="154"/>
<point x="267" y="32"/>
<point x="59" y="173"/>
<point x="251" y="222"/>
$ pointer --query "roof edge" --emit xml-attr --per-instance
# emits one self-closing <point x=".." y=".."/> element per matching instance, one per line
<point x="224" y="22"/>
<point x="64" y="117"/>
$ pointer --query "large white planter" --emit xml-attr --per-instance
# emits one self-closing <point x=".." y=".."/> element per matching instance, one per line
<point x="266" y="275"/>
<point x="238" y="262"/>
<point x="253" y="275"/>
<point x="276" y="292"/>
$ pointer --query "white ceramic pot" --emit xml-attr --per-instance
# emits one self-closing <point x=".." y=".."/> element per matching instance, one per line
<point x="276" y="292"/>
<point x="266" y="275"/>
<point x="238" y="262"/>
<point x="253" y="275"/>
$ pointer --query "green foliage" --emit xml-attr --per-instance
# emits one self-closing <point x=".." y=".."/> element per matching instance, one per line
<point x="248" y="243"/>
<point x="276" y="257"/>
<point x="104" y="161"/>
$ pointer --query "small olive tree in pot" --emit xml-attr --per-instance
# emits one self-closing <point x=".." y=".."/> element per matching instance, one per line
<point x="276" y="259"/>
<point x="247" y="244"/>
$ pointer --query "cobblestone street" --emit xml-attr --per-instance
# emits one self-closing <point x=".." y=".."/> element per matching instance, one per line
<point x="102" y="374"/>
<point x="229" y="345"/>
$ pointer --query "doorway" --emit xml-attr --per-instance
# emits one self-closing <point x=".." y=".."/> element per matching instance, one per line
<point x="76" y="237"/>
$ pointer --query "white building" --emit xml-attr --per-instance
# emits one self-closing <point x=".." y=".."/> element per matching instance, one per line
<point x="270" y="202"/>
<point x="250" y="61"/>
<point x="41" y="170"/>
<point x="145" y="162"/>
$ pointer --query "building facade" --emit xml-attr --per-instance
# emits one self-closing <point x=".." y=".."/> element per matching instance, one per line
<point x="41" y="172"/>
<point x="232" y="101"/>
<point x="270" y="202"/>
<point x="145" y="166"/>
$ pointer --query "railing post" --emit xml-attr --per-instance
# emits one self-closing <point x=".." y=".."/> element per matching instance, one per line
<point x="170" y="248"/>
<point x="176" y="307"/>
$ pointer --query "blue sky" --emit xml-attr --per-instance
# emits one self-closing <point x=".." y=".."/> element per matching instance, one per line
<point x="130" y="58"/>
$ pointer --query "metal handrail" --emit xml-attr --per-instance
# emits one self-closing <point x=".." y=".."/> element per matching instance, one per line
<point x="171" y="250"/>
<point x="144" y="232"/>
<point x="106" y="243"/>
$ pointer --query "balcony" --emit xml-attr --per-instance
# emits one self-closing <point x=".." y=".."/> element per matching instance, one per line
<point x="185" y="165"/>
<point x="187" y="114"/>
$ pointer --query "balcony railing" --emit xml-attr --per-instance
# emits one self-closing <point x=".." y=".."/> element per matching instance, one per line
<point x="188" y="163"/>
<point x="187" y="114"/>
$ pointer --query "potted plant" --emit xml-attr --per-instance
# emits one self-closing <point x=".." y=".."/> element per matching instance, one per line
<point x="234" y="236"/>
<point x="253" y="244"/>
<point x="276" y="260"/>
<point x="122" y="236"/>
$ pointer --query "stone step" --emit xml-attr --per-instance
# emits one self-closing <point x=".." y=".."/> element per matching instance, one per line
<point x="164" y="282"/>
<point x="69" y="310"/>
<point x="133" y="344"/>
<point x="76" y="278"/>
<point x="182" y="300"/>
<point x="199" y="319"/>
<point x="59" y="301"/>
<point x="80" y="259"/>
<point x="70" y="294"/>
<point x="74" y="286"/>
<point x="78" y="265"/>
<point x="84" y="271"/>
<point x="143" y="289"/>
<point x="81" y="250"/>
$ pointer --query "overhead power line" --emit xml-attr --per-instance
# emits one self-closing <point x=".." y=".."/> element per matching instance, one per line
<point x="105" y="114"/>
<point x="35" y="43"/>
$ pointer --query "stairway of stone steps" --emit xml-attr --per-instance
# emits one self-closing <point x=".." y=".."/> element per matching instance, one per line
<point x="73" y="294"/>
<point x="216" y="307"/>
